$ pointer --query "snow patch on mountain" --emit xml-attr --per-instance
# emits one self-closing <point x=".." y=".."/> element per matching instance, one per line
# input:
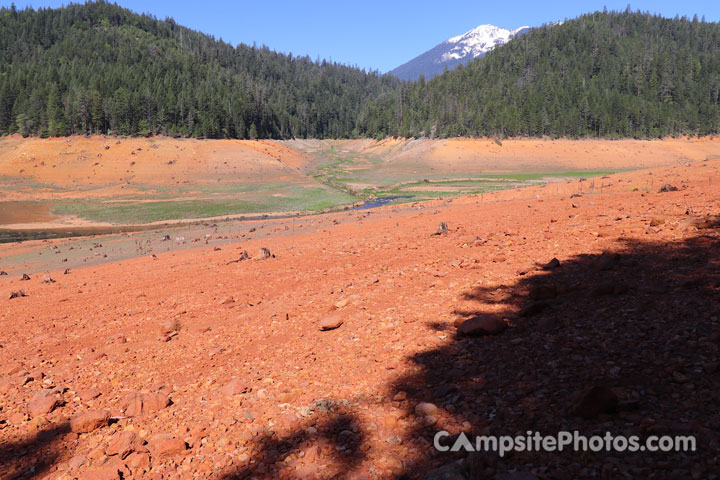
<point x="478" y="41"/>
<point x="456" y="50"/>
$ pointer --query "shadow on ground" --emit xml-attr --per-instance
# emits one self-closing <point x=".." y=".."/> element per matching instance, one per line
<point x="625" y="342"/>
<point x="32" y="457"/>
<point x="331" y="434"/>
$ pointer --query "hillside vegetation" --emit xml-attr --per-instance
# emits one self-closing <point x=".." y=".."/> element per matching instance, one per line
<point x="99" y="68"/>
<point x="601" y="75"/>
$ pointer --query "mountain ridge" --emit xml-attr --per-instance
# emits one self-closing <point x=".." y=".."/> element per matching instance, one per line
<point x="456" y="50"/>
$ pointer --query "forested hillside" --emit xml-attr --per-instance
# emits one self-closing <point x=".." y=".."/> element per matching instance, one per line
<point x="99" y="68"/>
<point x="601" y="75"/>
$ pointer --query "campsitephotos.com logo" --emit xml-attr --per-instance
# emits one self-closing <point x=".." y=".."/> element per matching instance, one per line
<point x="535" y="441"/>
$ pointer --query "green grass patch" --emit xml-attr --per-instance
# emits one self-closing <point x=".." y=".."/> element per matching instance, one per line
<point x="293" y="199"/>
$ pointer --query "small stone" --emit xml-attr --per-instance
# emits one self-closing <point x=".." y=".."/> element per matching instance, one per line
<point x="430" y="420"/>
<point x="166" y="445"/>
<point x="48" y="279"/>
<point x="482" y="325"/>
<point x="89" y="394"/>
<point x="18" y="294"/>
<point x="101" y="473"/>
<point x="25" y="277"/>
<point x="263" y="254"/>
<point x="330" y="322"/>
<point x="424" y="409"/>
<point x="552" y="264"/>
<point x="43" y="403"/>
<point x="122" y="444"/>
<point x="89" y="421"/>
<point x="138" y="461"/>
<point x="137" y="404"/>
<point x="442" y="229"/>
<point x="235" y="387"/>
<point x="228" y="301"/>
<point x="77" y="461"/>
<point x="170" y="326"/>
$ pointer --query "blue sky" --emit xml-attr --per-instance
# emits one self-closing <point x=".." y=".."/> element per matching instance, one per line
<point x="372" y="34"/>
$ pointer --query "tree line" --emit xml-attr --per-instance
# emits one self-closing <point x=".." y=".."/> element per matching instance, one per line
<point x="98" y="68"/>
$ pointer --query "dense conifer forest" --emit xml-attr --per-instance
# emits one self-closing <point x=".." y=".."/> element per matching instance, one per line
<point x="99" y="68"/>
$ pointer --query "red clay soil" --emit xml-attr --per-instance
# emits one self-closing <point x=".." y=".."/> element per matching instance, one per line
<point x="203" y="364"/>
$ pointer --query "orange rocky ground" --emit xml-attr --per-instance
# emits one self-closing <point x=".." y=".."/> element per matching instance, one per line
<point x="157" y="160"/>
<point x="202" y="364"/>
<point x="472" y="155"/>
<point x="94" y="167"/>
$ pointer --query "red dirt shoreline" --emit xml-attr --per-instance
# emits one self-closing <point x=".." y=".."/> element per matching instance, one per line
<point x="258" y="390"/>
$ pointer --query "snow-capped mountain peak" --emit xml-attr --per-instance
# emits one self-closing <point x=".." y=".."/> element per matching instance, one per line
<point x="478" y="41"/>
<point x="456" y="50"/>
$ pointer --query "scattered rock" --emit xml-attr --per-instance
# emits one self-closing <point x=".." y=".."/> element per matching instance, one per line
<point x="442" y="229"/>
<point x="43" y="402"/>
<point x="331" y="322"/>
<point x="89" y="394"/>
<point x="138" y="461"/>
<point x="424" y="409"/>
<point x="243" y="256"/>
<point x="170" y="326"/>
<point x="89" y="421"/>
<point x="166" y="445"/>
<point x="123" y="444"/>
<point x="263" y="254"/>
<point x="668" y="188"/>
<point x="235" y="387"/>
<point x="101" y="473"/>
<point x="48" y="279"/>
<point x="229" y="300"/>
<point x="482" y="325"/>
<point x="3" y="272"/>
<point x="656" y="221"/>
<point x="137" y="404"/>
<point x="18" y="294"/>
<point x="597" y="400"/>
<point x="77" y="461"/>
<point x="552" y="264"/>
<point x="25" y="277"/>
<point x="66" y="272"/>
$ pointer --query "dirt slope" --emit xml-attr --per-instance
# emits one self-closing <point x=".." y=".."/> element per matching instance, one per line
<point x="257" y="390"/>
<point x="106" y="161"/>
<point x="468" y="155"/>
